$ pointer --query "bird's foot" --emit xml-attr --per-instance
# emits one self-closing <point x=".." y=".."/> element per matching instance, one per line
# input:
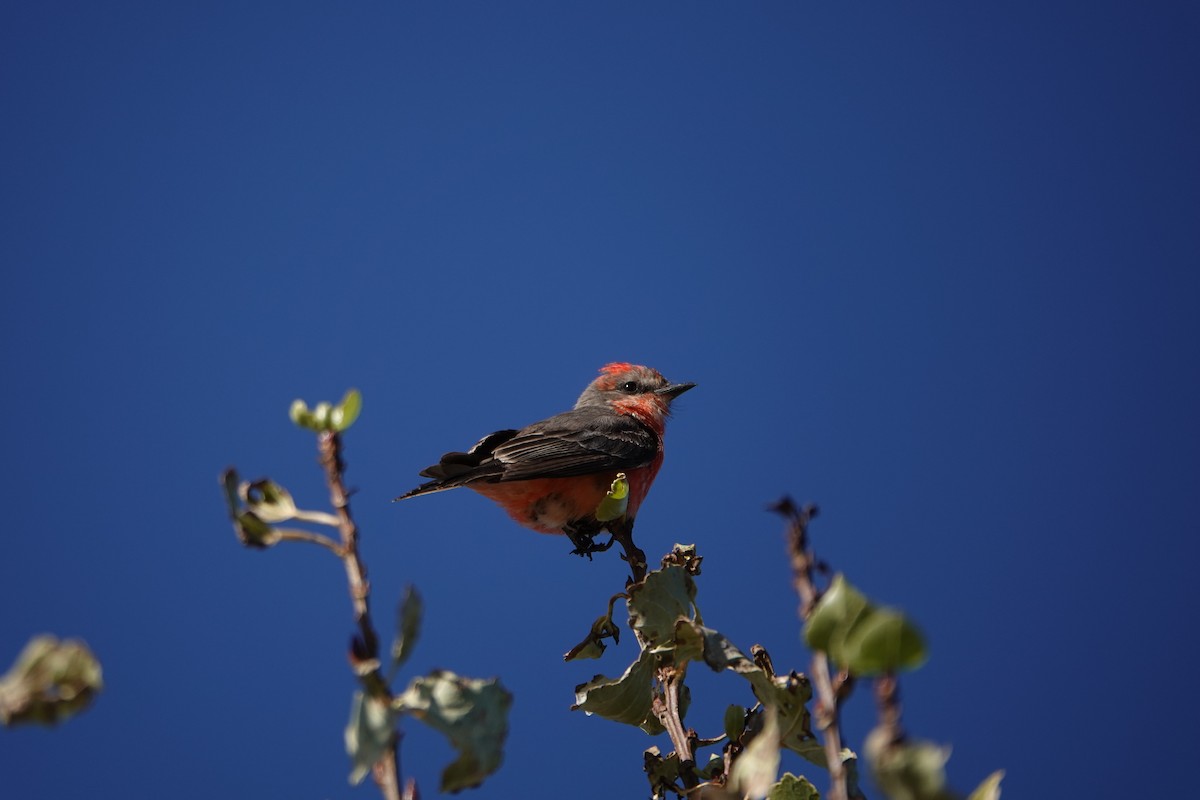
<point x="585" y="543"/>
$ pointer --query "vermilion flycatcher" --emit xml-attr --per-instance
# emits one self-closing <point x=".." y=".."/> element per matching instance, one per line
<point x="552" y="475"/>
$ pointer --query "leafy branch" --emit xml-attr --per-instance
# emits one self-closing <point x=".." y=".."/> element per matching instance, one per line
<point x="471" y="713"/>
<point x="851" y="638"/>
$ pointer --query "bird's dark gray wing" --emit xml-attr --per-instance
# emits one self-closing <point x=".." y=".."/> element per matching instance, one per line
<point x="455" y="465"/>
<point x="577" y="442"/>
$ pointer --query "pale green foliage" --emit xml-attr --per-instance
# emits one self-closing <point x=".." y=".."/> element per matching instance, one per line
<point x="861" y="637"/>
<point x="791" y="787"/>
<point x="989" y="789"/>
<point x="625" y="699"/>
<point x="908" y="770"/>
<point x="51" y="681"/>
<point x="408" y="627"/>
<point x="368" y="733"/>
<point x="473" y="715"/>
<point x="755" y="770"/>
<point x="615" y="503"/>
<point x="326" y="416"/>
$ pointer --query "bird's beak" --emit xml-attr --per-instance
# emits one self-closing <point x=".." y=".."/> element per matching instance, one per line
<point x="674" y="390"/>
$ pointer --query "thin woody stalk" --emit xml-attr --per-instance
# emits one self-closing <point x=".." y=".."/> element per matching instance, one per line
<point x="827" y="711"/>
<point x="666" y="708"/>
<point x="386" y="772"/>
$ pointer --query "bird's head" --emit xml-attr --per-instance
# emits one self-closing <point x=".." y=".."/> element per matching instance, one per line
<point x="635" y="390"/>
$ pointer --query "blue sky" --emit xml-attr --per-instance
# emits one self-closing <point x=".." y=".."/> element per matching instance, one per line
<point x="934" y="268"/>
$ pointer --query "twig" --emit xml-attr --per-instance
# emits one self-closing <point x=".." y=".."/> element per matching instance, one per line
<point x="622" y="533"/>
<point x="386" y="771"/>
<point x="887" y="697"/>
<point x="667" y="710"/>
<point x="827" y="722"/>
<point x="329" y="445"/>
<point x="319" y="517"/>
<point x="829" y="700"/>
<point x="298" y="535"/>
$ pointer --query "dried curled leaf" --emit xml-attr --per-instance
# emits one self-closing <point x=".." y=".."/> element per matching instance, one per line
<point x="268" y="501"/>
<point x="51" y="681"/>
<point x="908" y="770"/>
<point x="684" y="555"/>
<point x="250" y="529"/>
<point x="593" y="645"/>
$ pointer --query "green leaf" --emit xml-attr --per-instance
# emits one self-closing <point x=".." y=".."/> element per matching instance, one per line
<point x="907" y="770"/>
<point x="850" y="764"/>
<point x="320" y="416"/>
<point x="833" y="616"/>
<point x="755" y="769"/>
<point x="791" y="787"/>
<point x="883" y="640"/>
<point x="229" y="482"/>
<point x="471" y="713"/>
<point x="299" y="414"/>
<point x="788" y="694"/>
<point x="253" y="532"/>
<point x="346" y="412"/>
<point x="626" y="699"/>
<point x="990" y="788"/>
<point x="734" y="722"/>
<point x="50" y="681"/>
<point x="714" y="768"/>
<point x="408" y="627"/>
<point x="368" y="733"/>
<point x="861" y="637"/>
<point x="616" y="502"/>
<point x="658" y="602"/>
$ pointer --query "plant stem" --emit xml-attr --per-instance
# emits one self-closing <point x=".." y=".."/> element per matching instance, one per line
<point x="827" y="722"/>
<point x="329" y="445"/>
<point x="829" y="701"/>
<point x="887" y="697"/>
<point x="623" y="534"/>
<point x="297" y="535"/>
<point x="386" y="771"/>
<point x="667" y="710"/>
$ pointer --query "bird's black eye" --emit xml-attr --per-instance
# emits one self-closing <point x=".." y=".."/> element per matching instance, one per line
<point x="629" y="387"/>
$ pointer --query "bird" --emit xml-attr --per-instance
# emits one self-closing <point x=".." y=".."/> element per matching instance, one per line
<point x="552" y="476"/>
